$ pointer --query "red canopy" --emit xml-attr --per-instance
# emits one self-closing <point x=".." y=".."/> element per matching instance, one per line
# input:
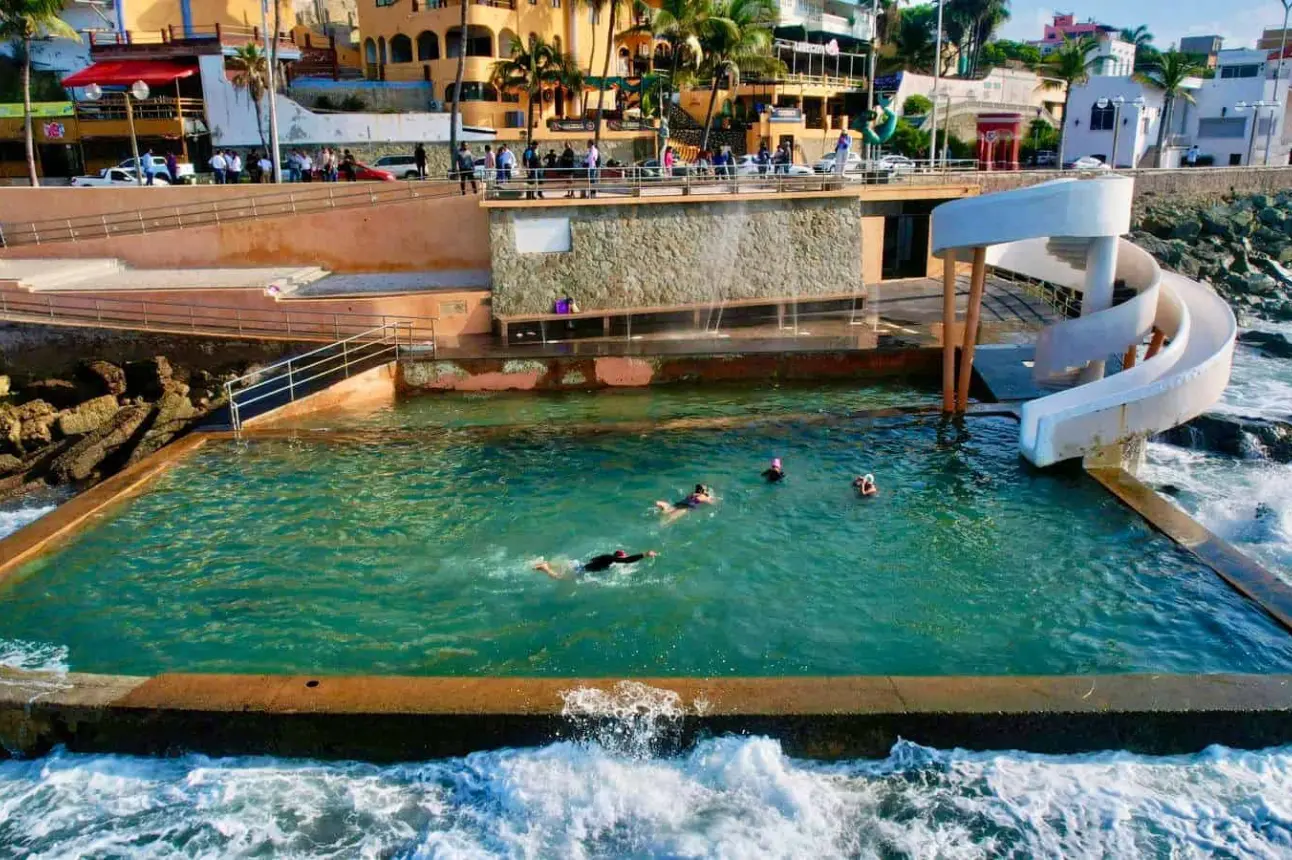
<point x="126" y="72"/>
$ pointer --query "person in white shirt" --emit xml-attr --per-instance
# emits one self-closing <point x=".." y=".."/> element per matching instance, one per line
<point x="266" y="169"/>
<point x="218" y="166"/>
<point x="307" y="167"/>
<point x="506" y="163"/>
<point x="235" y="167"/>
<point x="591" y="161"/>
<point x="841" y="150"/>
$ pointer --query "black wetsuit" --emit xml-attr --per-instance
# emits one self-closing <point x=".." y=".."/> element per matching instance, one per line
<point x="602" y="562"/>
<point x="774" y="475"/>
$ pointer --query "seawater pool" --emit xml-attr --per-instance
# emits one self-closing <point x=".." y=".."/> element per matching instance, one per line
<point x="411" y="552"/>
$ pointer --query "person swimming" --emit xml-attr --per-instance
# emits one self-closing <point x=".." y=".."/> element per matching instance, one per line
<point x="865" y="485"/>
<point x="596" y="564"/>
<point x="775" y="473"/>
<point x="701" y="495"/>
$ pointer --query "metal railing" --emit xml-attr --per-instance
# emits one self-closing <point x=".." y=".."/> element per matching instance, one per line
<point x="178" y="318"/>
<point x="113" y="107"/>
<point x="278" y="384"/>
<point x="299" y="200"/>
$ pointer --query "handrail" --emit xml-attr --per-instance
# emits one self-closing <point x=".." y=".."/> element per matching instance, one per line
<point x="295" y="201"/>
<point x="177" y="317"/>
<point x="293" y="376"/>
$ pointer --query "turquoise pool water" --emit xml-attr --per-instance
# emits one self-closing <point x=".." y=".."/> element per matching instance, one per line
<point x="414" y="557"/>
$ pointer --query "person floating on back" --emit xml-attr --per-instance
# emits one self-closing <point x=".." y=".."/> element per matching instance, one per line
<point x="775" y="473"/>
<point x="596" y="564"/>
<point x="701" y="495"/>
<point x="865" y="485"/>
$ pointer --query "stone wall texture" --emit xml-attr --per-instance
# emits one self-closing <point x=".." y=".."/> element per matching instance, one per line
<point x="647" y="255"/>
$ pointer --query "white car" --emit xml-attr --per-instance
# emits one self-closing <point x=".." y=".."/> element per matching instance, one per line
<point x="183" y="168"/>
<point x="895" y="164"/>
<point x="1087" y="162"/>
<point x="112" y="176"/>
<point x="827" y="164"/>
<point x="747" y="165"/>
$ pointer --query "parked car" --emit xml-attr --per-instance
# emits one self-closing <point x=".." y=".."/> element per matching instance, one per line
<point x="747" y="165"/>
<point x="364" y="173"/>
<point x="894" y="164"/>
<point x="1046" y="158"/>
<point x="183" y="168"/>
<point x="111" y="176"/>
<point x="1086" y="162"/>
<point x="403" y="166"/>
<point x="651" y="169"/>
<point x="827" y="163"/>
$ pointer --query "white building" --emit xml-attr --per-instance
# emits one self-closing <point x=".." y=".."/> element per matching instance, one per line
<point x="1223" y="131"/>
<point x="1117" y="57"/>
<point x="1090" y="128"/>
<point x="962" y="99"/>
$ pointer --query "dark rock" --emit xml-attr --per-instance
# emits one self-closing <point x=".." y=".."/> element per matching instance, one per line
<point x="9" y="464"/>
<point x="1187" y="230"/>
<point x="104" y="377"/>
<point x="83" y="458"/>
<point x="36" y="418"/>
<point x="149" y="378"/>
<point x="1215" y="222"/>
<point x="1235" y="436"/>
<point x="90" y="415"/>
<point x="1270" y="215"/>
<point x="58" y="392"/>
<point x="1268" y="343"/>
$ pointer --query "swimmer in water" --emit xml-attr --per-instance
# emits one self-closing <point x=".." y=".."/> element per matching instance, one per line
<point x="596" y="564"/>
<point x="775" y="473"/>
<point x="865" y="485"/>
<point x="701" y="495"/>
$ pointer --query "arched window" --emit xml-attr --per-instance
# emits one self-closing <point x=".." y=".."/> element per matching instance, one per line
<point x="509" y="44"/>
<point x="479" y="41"/>
<point x="1101" y="118"/>
<point x="428" y="46"/>
<point x="401" y="49"/>
<point x="370" y="50"/>
<point x="381" y="50"/>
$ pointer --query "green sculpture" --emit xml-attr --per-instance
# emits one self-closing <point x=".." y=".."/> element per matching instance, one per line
<point x="880" y="123"/>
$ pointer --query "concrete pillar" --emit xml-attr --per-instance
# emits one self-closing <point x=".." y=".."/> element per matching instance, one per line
<point x="1101" y="271"/>
<point x="1128" y="455"/>
<point x="976" y="282"/>
<point x="948" y="326"/>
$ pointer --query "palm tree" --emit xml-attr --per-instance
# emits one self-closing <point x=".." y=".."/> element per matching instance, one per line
<point x="252" y="68"/>
<point x="744" y="46"/>
<point x="915" y="39"/>
<point x="25" y="20"/>
<point x="455" y="116"/>
<point x="1168" y="74"/>
<point x="681" y="23"/>
<point x="531" y="69"/>
<point x="1139" y="37"/>
<point x="605" y="72"/>
<point x="971" y="23"/>
<point x="572" y="79"/>
<point x="1070" y="65"/>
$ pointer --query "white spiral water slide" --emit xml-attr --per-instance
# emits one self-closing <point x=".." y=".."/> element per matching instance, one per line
<point x="1066" y="232"/>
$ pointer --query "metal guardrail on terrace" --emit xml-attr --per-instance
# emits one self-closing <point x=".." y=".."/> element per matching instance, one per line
<point x="299" y="200"/>
<point x="279" y="384"/>
<point x="179" y="318"/>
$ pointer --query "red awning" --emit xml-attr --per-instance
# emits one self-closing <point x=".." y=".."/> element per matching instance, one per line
<point x="123" y="73"/>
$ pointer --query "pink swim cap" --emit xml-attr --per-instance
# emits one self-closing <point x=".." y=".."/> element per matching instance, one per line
<point x="776" y="462"/>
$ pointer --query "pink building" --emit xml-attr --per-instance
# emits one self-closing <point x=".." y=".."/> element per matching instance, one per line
<point x="1067" y="26"/>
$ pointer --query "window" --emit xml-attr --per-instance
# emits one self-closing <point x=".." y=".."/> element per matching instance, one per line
<point x="1249" y="71"/>
<point x="428" y="46"/>
<point x="1101" y="118"/>
<point x="401" y="49"/>
<point x="1224" y="127"/>
<point x="556" y="4"/>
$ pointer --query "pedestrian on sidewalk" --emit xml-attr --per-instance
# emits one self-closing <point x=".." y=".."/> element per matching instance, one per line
<point x="466" y="168"/>
<point x="218" y="167"/>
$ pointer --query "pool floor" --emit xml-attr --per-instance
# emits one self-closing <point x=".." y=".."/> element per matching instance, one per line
<point x="415" y="556"/>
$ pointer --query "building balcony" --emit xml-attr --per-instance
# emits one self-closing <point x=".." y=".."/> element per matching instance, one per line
<point x="857" y="24"/>
<point x="173" y="41"/>
<point x="154" y="117"/>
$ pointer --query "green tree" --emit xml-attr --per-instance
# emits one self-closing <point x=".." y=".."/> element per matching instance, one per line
<point x="916" y="105"/>
<point x="915" y="39"/>
<point x="909" y="141"/>
<point x="533" y="67"/>
<point x="742" y="44"/>
<point x="1068" y="66"/>
<point x="681" y="23"/>
<point x="252" y="77"/>
<point x="1169" y="74"/>
<point x="971" y="23"/>
<point x="605" y="69"/>
<point x="25" y="20"/>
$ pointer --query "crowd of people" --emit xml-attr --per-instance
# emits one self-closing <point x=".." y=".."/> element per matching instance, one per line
<point x="864" y="486"/>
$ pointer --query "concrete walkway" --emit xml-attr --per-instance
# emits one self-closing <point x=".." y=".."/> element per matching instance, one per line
<point x="389" y="284"/>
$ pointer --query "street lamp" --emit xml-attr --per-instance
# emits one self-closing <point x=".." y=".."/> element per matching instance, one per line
<point x="1257" y="107"/>
<point x="1117" y="103"/>
<point x="140" y="91"/>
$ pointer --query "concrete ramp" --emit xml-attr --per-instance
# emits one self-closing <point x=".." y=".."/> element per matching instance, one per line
<point x="55" y="273"/>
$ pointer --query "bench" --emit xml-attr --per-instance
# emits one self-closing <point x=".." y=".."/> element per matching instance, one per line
<point x="508" y="322"/>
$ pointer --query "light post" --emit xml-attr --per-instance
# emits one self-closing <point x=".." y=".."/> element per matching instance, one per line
<point x="138" y="90"/>
<point x="1256" y="107"/>
<point x="937" y="76"/>
<point x="1117" y="103"/>
<point x="874" y="44"/>
<point x="271" y="60"/>
<point x="1278" y="76"/>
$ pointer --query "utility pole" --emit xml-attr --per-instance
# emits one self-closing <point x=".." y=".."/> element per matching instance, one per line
<point x="271" y="60"/>
<point x="937" y="76"/>
<point x="874" y="44"/>
<point x="1278" y="76"/>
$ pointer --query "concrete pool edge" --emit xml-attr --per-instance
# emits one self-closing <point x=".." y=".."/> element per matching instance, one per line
<point x="409" y="718"/>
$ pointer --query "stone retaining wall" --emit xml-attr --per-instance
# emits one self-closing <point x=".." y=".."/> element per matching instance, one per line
<point x="648" y="255"/>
